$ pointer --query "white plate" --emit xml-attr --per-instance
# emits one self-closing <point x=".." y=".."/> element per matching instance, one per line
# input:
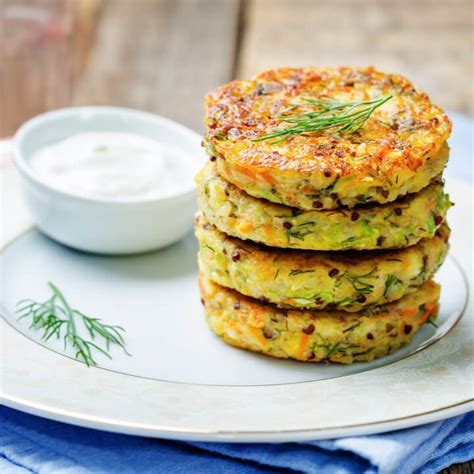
<point x="155" y="297"/>
<point x="183" y="382"/>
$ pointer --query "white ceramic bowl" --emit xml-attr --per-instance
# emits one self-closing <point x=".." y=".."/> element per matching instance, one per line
<point x="99" y="225"/>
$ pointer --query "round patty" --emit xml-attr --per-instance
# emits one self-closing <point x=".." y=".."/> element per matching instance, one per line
<point x="347" y="281"/>
<point x="393" y="225"/>
<point x="399" y="150"/>
<point x="317" y="335"/>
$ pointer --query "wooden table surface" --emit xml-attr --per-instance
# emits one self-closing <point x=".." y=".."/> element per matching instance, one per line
<point x="164" y="55"/>
<point x="180" y="50"/>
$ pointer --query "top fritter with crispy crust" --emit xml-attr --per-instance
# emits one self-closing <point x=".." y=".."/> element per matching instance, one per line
<point x="398" y="150"/>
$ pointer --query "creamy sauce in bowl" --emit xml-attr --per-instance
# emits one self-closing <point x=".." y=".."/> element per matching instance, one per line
<point x="114" y="166"/>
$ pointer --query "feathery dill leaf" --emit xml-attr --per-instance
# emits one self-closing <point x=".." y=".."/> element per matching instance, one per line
<point x="56" y="318"/>
<point x="340" y="117"/>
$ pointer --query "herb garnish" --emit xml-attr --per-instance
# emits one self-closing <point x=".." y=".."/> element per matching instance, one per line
<point x="55" y="317"/>
<point x="348" y="117"/>
<point x="360" y="283"/>
<point x="390" y="283"/>
<point x="301" y="231"/>
<point x="333" y="348"/>
<point x="296" y="271"/>
<point x="421" y="311"/>
<point x="351" y="328"/>
<point x="430" y="321"/>
<point x="206" y="246"/>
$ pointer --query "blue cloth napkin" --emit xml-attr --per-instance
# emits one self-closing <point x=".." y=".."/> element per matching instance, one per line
<point x="31" y="444"/>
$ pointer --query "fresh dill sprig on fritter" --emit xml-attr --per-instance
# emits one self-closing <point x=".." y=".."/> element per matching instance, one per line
<point x="56" y="318"/>
<point x="348" y="117"/>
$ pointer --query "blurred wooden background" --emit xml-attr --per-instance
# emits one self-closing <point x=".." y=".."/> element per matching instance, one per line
<point x="163" y="55"/>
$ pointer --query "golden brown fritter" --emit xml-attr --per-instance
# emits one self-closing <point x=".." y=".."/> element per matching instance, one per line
<point x="394" y="225"/>
<point x="347" y="281"/>
<point x="317" y="335"/>
<point x="399" y="150"/>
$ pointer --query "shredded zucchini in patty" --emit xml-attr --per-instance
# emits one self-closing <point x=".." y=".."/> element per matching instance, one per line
<point x="395" y="225"/>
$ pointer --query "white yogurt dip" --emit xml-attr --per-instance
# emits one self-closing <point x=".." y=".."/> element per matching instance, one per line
<point x="114" y="166"/>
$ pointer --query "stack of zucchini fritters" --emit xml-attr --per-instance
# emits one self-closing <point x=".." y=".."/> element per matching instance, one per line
<point x="319" y="244"/>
